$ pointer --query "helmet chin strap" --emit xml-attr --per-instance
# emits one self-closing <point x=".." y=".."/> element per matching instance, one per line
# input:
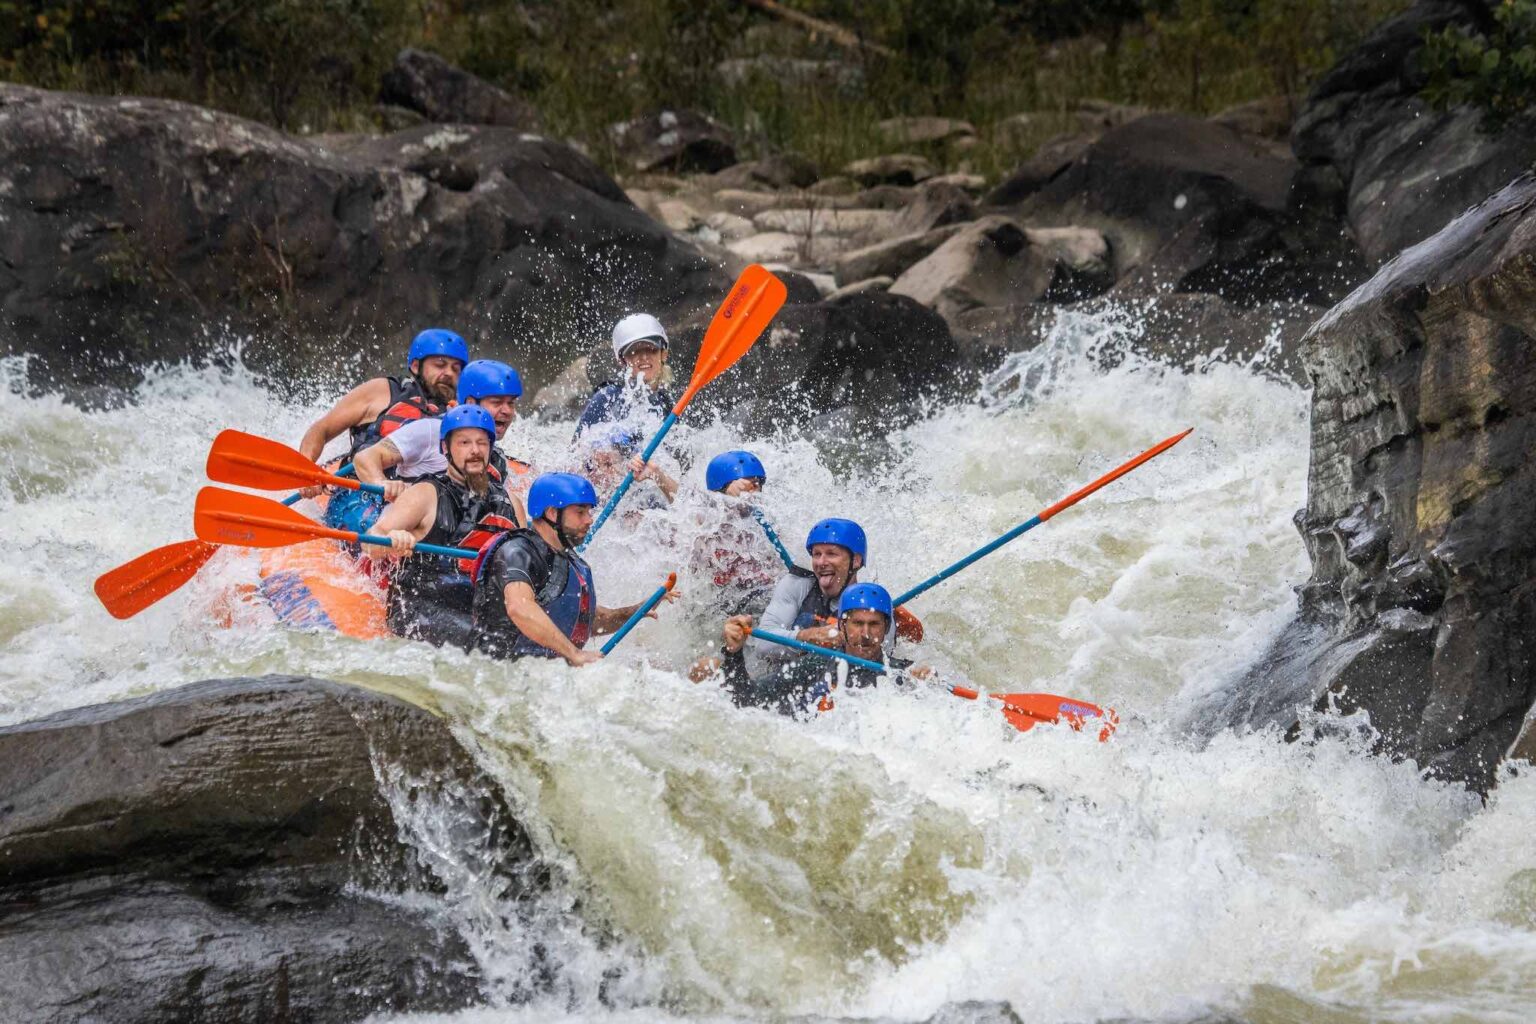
<point x="559" y="527"/>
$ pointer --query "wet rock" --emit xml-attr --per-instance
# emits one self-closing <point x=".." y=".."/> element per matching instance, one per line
<point x="869" y="284"/>
<point x="829" y="220"/>
<point x="674" y="140"/>
<point x="936" y="205"/>
<point x="891" y="258"/>
<point x="1053" y="157"/>
<point x="1082" y="260"/>
<point x="241" y="850"/>
<point x="1189" y="205"/>
<point x="440" y="92"/>
<point x="1420" y="498"/>
<point x="987" y="263"/>
<point x="923" y="131"/>
<point x="782" y="170"/>
<point x="1400" y="170"/>
<point x="891" y="169"/>
<point x="201" y="221"/>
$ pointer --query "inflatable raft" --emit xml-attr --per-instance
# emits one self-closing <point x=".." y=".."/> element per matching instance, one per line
<point x="319" y="585"/>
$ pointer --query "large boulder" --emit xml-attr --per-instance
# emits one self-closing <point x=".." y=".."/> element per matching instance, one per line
<point x="144" y="227"/>
<point x="243" y="850"/>
<point x="892" y="257"/>
<point x="1421" y="502"/>
<point x="1400" y="169"/>
<point x="1191" y="205"/>
<point x="440" y="92"/>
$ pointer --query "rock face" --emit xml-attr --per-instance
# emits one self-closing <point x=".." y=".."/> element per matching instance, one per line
<point x="142" y="225"/>
<point x="1376" y="151"/>
<point x="1191" y="205"/>
<point x="1421" y="504"/>
<point x="440" y="92"/>
<point x="208" y="853"/>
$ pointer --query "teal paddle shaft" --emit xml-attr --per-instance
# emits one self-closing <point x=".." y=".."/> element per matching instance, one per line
<point x="825" y="652"/>
<point x="773" y="538"/>
<point x="294" y="498"/>
<point x="974" y="556"/>
<point x="640" y="613"/>
<point x="429" y="549"/>
<point x="629" y="479"/>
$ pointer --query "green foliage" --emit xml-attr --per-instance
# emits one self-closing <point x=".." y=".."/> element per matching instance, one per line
<point x="1495" y="72"/>
<point x="314" y="65"/>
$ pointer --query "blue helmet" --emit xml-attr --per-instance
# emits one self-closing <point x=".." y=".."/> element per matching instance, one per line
<point x="842" y="532"/>
<point x="728" y="467"/>
<point x="434" y="341"/>
<point x="485" y="377"/>
<point x="461" y="417"/>
<point x="870" y="596"/>
<point x="558" y="490"/>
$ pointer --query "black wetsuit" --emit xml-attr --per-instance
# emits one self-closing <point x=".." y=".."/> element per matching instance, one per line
<point x="429" y="595"/>
<point x="801" y="686"/>
<point x="561" y="583"/>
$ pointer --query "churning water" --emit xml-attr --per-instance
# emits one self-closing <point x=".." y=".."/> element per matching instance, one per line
<point x="909" y="850"/>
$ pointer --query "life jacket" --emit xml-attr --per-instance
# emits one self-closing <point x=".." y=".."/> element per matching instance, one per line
<point x="464" y="519"/>
<point x="407" y="403"/>
<point x="814" y="607"/>
<point x="568" y="597"/>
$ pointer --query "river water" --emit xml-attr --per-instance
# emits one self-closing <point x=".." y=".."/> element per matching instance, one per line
<point x="908" y="851"/>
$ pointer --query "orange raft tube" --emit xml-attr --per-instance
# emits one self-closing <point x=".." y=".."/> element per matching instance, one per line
<point x="319" y="585"/>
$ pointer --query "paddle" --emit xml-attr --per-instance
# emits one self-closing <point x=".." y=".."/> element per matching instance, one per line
<point x="246" y="460"/>
<point x="773" y="538"/>
<point x="640" y="613"/>
<point x="251" y="521"/>
<point x="1042" y="516"/>
<point x="134" y="586"/>
<point x="1022" y="710"/>
<point x="1026" y="710"/>
<point x="753" y="301"/>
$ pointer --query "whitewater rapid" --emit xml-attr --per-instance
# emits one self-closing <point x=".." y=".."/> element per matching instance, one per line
<point x="908" y="850"/>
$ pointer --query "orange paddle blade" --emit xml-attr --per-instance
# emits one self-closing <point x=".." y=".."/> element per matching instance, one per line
<point x="1025" y="710"/>
<point x="251" y="521"/>
<point x="671" y="581"/>
<point x="134" y="586"/>
<point x="246" y="460"/>
<point x="753" y="301"/>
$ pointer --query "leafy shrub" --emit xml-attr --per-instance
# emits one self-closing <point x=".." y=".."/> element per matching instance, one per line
<point x="1493" y="71"/>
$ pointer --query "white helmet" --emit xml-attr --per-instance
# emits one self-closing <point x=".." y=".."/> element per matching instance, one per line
<point x="637" y="327"/>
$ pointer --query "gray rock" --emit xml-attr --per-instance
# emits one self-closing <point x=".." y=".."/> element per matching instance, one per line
<point x="674" y="140"/>
<point x="1400" y="170"/>
<point x="1419" y="517"/>
<point x="891" y="169"/>
<point x="837" y="185"/>
<point x="567" y="394"/>
<point x="782" y="170"/>
<point x="987" y="263"/>
<point x="869" y="284"/>
<point x="209" y="852"/>
<point x="1054" y="156"/>
<point x="201" y="221"/>
<point x="1101" y="115"/>
<point x="800" y="72"/>
<point x="1189" y="205"/>
<point x="923" y="131"/>
<point x="1267" y="118"/>
<point x="440" y="92"/>
<point x="890" y="258"/>
<point x="935" y="206"/>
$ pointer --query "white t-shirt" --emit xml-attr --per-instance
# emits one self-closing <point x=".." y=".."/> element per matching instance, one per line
<point x="420" y="451"/>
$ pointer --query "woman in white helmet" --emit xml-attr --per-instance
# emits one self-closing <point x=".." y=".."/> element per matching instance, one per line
<point x="640" y="399"/>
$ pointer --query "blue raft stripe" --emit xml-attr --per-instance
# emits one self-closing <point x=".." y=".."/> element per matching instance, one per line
<point x="295" y="605"/>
